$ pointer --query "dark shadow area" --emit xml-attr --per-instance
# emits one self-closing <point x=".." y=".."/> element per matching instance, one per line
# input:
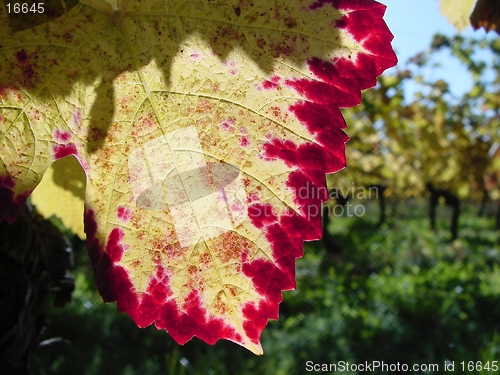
<point x="69" y="175"/>
<point x="451" y="200"/>
<point x="34" y="260"/>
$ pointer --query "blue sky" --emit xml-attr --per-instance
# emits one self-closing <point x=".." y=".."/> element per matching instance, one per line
<point x="413" y="23"/>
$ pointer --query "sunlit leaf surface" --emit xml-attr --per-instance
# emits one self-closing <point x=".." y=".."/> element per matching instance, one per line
<point x="205" y="129"/>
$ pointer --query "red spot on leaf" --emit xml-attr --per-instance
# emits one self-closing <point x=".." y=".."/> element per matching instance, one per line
<point x="27" y="67"/>
<point x="148" y="120"/>
<point x="61" y="151"/>
<point x="68" y="37"/>
<point x="123" y="213"/>
<point x="236" y="207"/>
<point x="21" y="56"/>
<point x="253" y="198"/>
<point x="62" y="136"/>
<point x="286" y="46"/>
<point x="244" y="141"/>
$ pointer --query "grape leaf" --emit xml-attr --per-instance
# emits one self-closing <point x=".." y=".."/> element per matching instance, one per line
<point x="457" y="12"/>
<point x="205" y="130"/>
